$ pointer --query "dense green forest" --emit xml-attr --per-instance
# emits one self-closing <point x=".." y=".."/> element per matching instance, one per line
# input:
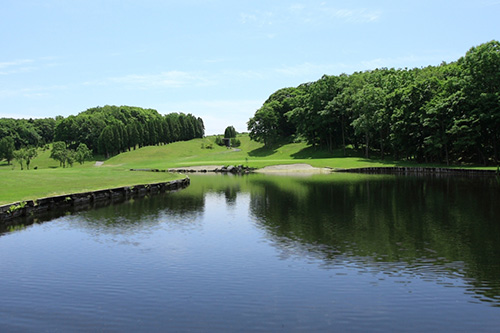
<point x="107" y="130"/>
<point x="448" y="113"/>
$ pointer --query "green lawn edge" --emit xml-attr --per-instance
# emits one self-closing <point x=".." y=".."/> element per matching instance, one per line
<point x="25" y="185"/>
<point x="49" y="179"/>
<point x="255" y="155"/>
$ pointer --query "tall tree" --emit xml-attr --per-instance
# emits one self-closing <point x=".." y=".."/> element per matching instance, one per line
<point x="30" y="153"/>
<point x="482" y="70"/>
<point x="107" y="141"/>
<point x="229" y="132"/>
<point x="263" y="125"/>
<point x="59" y="153"/>
<point x="82" y="153"/>
<point x="7" y="149"/>
<point x="20" y="157"/>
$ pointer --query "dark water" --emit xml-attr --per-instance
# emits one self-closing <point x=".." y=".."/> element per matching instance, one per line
<point x="265" y="253"/>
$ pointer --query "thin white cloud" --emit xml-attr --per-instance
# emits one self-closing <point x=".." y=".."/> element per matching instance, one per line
<point x="31" y="92"/>
<point x="170" y="79"/>
<point x="258" y="18"/>
<point x="488" y="3"/>
<point x="27" y="65"/>
<point x="16" y="66"/>
<point x="362" y="15"/>
<point x="310" y="14"/>
<point x="7" y="64"/>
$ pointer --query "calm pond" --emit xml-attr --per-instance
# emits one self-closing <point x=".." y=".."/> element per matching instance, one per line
<point x="339" y="252"/>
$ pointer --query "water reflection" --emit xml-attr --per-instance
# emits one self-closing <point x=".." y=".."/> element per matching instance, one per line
<point x="438" y="228"/>
<point x="141" y="214"/>
<point x="444" y="230"/>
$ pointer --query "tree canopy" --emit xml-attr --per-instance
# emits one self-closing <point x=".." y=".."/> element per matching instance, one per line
<point x="448" y="113"/>
<point x="107" y="130"/>
<point x="230" y="132"/>
<point x="112" y="129"/>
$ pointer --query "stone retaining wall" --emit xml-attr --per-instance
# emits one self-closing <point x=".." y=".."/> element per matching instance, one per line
<point x="421" y="171"/>
<point x="34" y="207"/>
<point x="240" y="169"/>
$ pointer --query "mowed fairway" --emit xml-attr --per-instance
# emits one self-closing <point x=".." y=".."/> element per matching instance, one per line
<point x="250" y="153"/>
<point x="51" y="179"/>
<point x="19" y="185"/>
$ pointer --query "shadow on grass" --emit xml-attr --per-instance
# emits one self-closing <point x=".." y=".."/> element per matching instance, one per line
<point x="318" y="153"/>
<point x="321" y="153"/>
<point x="389" y="161"/>
<point x="264" y="151"/>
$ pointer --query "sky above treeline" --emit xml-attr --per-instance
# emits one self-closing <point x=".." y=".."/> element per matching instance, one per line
<point x="219" y="60"/>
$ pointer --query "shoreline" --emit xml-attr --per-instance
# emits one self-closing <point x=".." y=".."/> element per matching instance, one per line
<point x="33" y="208"/>
<point x="279" y="168"/>
<point x="422" y="171"/>
<point x="307" y="168"/>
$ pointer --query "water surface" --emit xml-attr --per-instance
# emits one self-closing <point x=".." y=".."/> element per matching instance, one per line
<point x="265" y="253"/>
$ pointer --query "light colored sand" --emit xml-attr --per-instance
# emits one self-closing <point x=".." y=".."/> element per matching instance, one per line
<point x="282" y="168"/>
<point x="289" y="168"/>
<point x="197" y="168"/>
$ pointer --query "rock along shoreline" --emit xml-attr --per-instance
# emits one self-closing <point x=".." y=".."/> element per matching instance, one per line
<point x="422" y="171"/>
<point x="85" y="200"/>
<point x="301" y="168"/>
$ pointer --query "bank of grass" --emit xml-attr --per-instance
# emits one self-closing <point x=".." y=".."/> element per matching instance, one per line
<point x="250" y="153"/>
<point x="20" y="185"/>
<point x="50" y="179"/>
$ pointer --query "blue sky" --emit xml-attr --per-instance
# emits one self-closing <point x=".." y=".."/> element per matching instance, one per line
<point x="219" y="60"/>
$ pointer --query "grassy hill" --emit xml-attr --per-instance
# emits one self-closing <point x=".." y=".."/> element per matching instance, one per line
<point x="250" y="153"/>
<point x="195" y="152"/>
<point x="50" y="179"/>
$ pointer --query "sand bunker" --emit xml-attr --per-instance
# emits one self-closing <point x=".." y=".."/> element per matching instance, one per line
<point x="208" y="168"/>
<point x="289" y="168"/>
<point x="282" y="168"/>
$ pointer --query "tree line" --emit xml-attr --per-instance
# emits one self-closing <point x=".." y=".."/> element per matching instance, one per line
<point x="106" y="130"/>
<point x="111" y="130"/>
<point x="448" y="113"/>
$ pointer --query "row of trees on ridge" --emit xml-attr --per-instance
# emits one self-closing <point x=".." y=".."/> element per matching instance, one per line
<point x="106" y="130"/>
<point x="111" y="130"/>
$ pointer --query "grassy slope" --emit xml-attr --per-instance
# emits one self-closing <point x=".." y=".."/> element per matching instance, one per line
<point x="50" y="179"/>
<point x="252" y="154"/>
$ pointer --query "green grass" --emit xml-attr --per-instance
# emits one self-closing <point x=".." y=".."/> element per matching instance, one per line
<point x="50" y="179"/>
<point x="23" y="185"/>
<point x="251" y="154"/>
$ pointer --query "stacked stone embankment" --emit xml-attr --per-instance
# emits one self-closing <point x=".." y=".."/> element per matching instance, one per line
<point x="34" y="207"/>
<point x="239" y="169"/>
<point x="421" y="171"/>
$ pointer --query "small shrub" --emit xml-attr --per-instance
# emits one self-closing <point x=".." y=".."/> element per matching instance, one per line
<point x="235" y="142"/>
<point x="20" y="205"/>
<point x="219" y="141"/>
